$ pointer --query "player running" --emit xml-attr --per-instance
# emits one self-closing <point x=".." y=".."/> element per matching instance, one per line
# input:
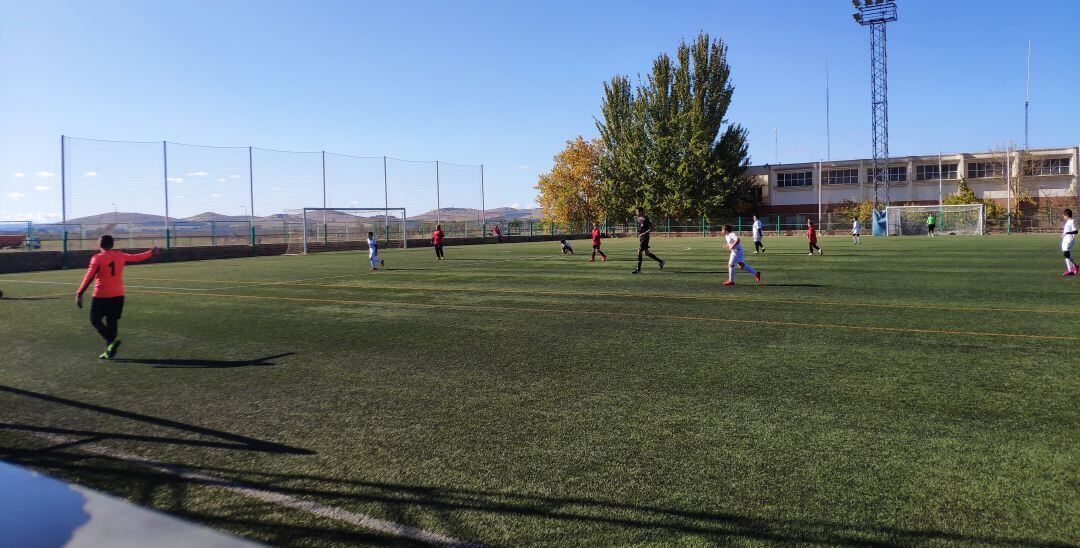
<point x="644" y="229"/>
<point x="1068" y="238"/>
<point x="755" y="232"/>
<point x="811" y="236"/>
<point x="106" y="270"/>
<point x="373" y="251"/>
<point x="437" y="241"/>
<point x="736" y="258"/>
<point x="596" y="244"/>
<point x="931" y="224"/>
<point x="855" y="239"/>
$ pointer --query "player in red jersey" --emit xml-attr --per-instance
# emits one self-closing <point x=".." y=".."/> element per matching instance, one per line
<point x="596" y="244"/>
<point x="107" y="272"/>
<point x="436" y="240"/>
<point x="811" y="236"/>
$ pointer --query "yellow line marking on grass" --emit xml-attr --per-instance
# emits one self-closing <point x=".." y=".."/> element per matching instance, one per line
<point x="773" y="323"/>
<point x="626" y="295"/>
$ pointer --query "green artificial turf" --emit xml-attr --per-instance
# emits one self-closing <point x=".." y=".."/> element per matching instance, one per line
<point x="903" y="391"/>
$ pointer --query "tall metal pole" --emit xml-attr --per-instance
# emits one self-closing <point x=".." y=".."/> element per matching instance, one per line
<point x="483" y="206"/>
<point x="819" y="182"/>
<point x="251" y="198"/>
<point x="1008" y="189"/>
<point x="438" y="203"/>
<point x="776" y="145"/>
<point x="828" y="129"/>
<point x="939" y="185"/>
<point x="324" y="194"/>
<point x="165" y="164"/>
<point x="1027" y="97"/>
<point x="63" y="200"/>
<point x="876" y="15"/>
<point x="386" y="205"/>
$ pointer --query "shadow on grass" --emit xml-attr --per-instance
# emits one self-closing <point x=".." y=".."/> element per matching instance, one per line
<point x="191" y="363"/>
<point x="46" y="298"/>
<point x="465" y="513"/>
<point x="216" y="438"/>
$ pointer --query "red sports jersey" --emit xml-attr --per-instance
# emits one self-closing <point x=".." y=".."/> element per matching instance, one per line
<point x="107" y="271"/>
<point x="437" y="236"/>
<point x="811" y="234"/>
<point x="596" y="236"/>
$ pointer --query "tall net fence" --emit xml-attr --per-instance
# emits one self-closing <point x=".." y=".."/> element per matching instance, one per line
<point x="174" y="194"/>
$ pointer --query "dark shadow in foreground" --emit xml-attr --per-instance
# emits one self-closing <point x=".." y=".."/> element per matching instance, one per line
<point x="192" y="363"/>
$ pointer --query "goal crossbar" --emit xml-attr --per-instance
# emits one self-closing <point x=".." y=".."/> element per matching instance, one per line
<point x="385" y="215"/>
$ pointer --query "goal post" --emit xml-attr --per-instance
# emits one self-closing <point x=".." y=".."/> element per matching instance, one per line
<point x="966" y="219"/>
<point x="333" y="226"/>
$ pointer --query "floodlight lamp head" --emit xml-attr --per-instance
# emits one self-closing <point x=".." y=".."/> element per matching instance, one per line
<point x="856" y="4"/>
<point x="857" y="17"/>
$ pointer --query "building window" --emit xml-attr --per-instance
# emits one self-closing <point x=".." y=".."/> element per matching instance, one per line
<point x="795" y="178"/>
<point x="983" y="170"/>
<point x="841" y="176"/>
<point x="1049" y="166"/>
<point x="895" y="174"/>
<point x="758" y="194"/>
<point x="930" y="172"/>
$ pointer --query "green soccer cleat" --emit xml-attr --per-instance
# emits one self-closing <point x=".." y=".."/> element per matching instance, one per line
<point x="104" y="355"/>
<point x="110" y="350"/>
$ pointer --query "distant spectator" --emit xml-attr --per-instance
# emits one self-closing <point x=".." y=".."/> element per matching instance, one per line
<point x="497" y="232"/>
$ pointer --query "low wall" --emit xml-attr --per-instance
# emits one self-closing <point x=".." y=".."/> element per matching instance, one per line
<point x="31" y="261"/>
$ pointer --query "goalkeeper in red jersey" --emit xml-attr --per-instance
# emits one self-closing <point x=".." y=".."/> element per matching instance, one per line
<point x="106" y="270"/>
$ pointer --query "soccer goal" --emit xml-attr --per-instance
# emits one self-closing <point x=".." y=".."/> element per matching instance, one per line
<point x="331" y="228"/>
<point x="949" y="219"/>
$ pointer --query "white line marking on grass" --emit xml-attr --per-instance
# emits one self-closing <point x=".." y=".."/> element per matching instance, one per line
<point x="76" y="284"/>
<point x="272" y="497"/>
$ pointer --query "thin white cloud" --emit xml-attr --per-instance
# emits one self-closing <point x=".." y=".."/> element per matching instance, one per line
<point x="19" y="175"/>
<point x="524" y="167"/>
<point x="45" y="174"/>
<point x="175" y="179"/>
<point x="15" y="195"/>
<point x="234" y="176"/>
<point x="36" y="216"/>
<point x="90" y="174"/>
<point x="515" y="205"/>
<point x="215" y="195"/>
<point x="42" y="188"/>
<point x="220" y="179"/>
<point x="197" y="174"/>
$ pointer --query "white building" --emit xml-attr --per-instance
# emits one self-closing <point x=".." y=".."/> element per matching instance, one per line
<point x="1050" y="175"/>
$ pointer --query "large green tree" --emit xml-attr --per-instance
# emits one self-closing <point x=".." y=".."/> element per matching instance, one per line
<point x="668" y="143"/>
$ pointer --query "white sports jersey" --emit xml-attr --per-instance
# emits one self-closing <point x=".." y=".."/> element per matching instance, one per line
<point x="1068" y="239"/>
<point x="372" y="247"/>
<point x="855" y="227"/>
<point x="757" y="230"/>
<point x="733" y="241"/>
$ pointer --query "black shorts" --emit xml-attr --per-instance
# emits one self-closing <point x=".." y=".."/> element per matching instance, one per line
<point x="109" y="307"/>
<point x="596" y="247"/>
<point x="930" y="227"/>
<point x="644" y="243"/>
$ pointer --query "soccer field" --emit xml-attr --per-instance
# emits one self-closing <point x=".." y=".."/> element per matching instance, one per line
<point x="905" y="390"/>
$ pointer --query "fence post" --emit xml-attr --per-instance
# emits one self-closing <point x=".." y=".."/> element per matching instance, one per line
<point x="213" y="231"/>
<point x="251" y="197"/>
<point x="165" y="164"/>
<point x="669" y="227"/>
<point x="778" y="232"/>
<point x="740" y="224"/>
<point x="438" y="194"/>
<point x="63" y="203"/>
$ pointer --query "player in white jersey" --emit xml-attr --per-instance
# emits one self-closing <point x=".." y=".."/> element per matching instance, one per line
<point x="373" y="251"/>
<point x="736" y="258"/>
<point x="855" y="239"/>
<point x="756" y="231"/>
<point x="1068" y="237"/>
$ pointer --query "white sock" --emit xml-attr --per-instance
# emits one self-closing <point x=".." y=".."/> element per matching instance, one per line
<point x="1068" y="264"/>
<point x="750" y="269"/>
<point x="374" y="262"/>
<point x="731" y="273"/>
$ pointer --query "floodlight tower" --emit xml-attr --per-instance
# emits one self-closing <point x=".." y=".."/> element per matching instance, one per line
<point x="875" y="14"/>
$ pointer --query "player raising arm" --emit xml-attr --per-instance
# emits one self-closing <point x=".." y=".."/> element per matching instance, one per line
<point x="734" y="244"/>
<point x="437" y="241"/>
<point x="373" y="251"/>
<point x="1068" y="237"/>
<point x="106" y="270"/>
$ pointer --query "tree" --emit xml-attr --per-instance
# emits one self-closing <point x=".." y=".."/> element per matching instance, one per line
<point x="568" y="194"/>
<point x="668" y="143"/>
<point x="964" y="195"/>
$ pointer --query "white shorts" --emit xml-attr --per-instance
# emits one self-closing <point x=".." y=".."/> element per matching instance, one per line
<point x="757" y="237"/>
<point x="1067" y="242"/>
<point x="736" y="257"/>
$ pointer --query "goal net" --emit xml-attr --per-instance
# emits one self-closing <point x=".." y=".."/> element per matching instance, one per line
<point x="948" y="219"/>
<point x="313" y="229"/>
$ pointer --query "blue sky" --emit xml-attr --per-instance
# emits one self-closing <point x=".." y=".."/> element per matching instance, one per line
<point x="499" y="83"/>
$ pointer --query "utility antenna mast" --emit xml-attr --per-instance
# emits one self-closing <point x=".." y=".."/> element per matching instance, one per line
<point x="875" y="14"/>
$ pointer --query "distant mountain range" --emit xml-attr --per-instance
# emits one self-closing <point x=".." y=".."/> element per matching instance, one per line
<point x="446" y="214"/>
